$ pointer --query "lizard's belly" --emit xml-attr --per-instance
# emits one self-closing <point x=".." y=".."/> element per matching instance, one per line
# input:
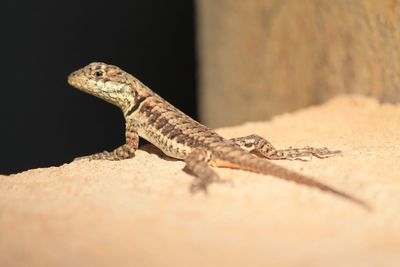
<point x="170" y="147"/>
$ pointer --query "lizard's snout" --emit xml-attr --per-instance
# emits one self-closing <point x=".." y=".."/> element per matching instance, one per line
<point x="72" y="78"/>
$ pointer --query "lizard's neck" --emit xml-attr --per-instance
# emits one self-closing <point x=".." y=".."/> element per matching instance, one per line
<point x="133" y="101"/>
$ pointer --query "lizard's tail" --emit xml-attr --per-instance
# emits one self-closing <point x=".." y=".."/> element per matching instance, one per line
<point x="243" y="160"/>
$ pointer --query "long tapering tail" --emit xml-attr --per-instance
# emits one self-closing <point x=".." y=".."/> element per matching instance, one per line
<point x="243" y="160"/>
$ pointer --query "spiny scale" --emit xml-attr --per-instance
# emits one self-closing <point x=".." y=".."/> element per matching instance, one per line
<point x="151" y="117"/>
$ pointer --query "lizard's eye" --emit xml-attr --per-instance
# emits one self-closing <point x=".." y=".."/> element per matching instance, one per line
<point x="98" y="73"/>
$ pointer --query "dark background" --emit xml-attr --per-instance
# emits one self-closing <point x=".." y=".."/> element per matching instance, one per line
<point x="44" y="121"/>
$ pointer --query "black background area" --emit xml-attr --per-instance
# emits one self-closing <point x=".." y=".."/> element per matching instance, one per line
<point x="44" y="121"/>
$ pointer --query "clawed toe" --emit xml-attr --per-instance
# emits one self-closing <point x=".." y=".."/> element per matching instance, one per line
<point x="201" y="185"/>
<point x="326" y="153"/>
<point x="82" y="158"/>
<point x="303" y="158"/>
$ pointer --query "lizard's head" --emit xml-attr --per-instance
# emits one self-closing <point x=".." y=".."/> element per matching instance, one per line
<point x="107" y="82"/>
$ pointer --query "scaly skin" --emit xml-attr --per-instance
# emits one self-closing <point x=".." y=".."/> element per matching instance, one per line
<point x="151" y="117"/>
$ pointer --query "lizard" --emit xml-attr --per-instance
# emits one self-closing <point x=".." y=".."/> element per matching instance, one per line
<point x="149" y="116"/>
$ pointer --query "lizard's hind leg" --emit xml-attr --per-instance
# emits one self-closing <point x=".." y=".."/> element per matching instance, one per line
<point x="255" y="143"/>
<point x="197" y="164"/>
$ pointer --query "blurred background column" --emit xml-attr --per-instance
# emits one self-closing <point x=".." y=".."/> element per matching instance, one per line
<point x="264" y="57"/>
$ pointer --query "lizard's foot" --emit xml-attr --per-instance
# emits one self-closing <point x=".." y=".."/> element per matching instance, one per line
<point x="262" y="147"/>
<point x="123" y="152"/>
<point x="305" y="153"/>
<point x="106" y="155"/>
<point x="197" y="164"/>
<point x="201" y="185"/>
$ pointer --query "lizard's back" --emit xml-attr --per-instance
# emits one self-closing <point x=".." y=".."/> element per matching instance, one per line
<point x="175" y="133"/>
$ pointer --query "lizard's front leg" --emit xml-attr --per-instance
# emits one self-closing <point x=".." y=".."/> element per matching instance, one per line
<point x="197" y="164"/>
<point x="123" y="152"/>
<point x="255" y="143"/>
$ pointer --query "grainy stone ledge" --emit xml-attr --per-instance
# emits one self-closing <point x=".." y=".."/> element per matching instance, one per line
<point x="139" y="213"/>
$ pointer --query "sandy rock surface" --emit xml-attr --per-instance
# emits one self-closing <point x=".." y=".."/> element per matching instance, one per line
<point x="139" y="212"/>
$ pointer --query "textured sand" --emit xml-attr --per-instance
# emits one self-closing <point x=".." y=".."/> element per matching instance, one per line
<point x="139" y="212"/>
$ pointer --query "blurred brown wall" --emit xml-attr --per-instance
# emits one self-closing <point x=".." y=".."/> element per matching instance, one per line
<point x="263" y="57"/>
